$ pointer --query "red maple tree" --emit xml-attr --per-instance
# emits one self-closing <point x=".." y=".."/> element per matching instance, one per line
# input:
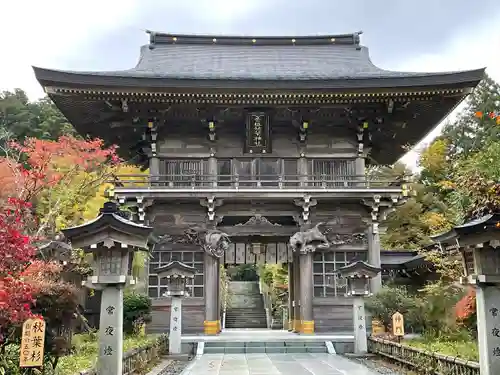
<point x="36" y="164"/>
<point x="16" y="251"/>
<point x="466" y="307"/>
<point x="27" y="172"/>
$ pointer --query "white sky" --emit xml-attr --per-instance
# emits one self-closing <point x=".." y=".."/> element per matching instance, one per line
<point x="45" y="33"/>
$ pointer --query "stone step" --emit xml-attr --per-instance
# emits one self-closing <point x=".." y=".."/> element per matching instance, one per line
<point x="244" y="287"/>
<point x="220" y="347"/>
<point x="246" y="313"/>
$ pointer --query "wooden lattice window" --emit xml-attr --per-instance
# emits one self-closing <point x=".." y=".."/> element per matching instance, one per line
<point x="326" y="283"/>
<point x="161" y="258"/>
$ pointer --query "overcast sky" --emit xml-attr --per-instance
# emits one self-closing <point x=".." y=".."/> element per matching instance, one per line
<point x="411" y="35"/>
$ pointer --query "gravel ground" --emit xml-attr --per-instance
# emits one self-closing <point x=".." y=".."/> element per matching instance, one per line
<point x="381" y="366"/>
<point x="174" y="368"/>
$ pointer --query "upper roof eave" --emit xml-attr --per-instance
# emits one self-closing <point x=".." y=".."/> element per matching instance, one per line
<point x="130" y="81"/>
<point x="479" y="224"/>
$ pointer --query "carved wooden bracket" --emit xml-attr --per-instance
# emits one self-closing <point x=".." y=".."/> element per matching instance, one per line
<point x="380" y="208"/>
<point x="211" y="203"/>
<point x="306" y="202"/>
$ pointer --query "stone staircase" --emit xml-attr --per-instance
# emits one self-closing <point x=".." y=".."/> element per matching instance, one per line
<point x="286" y="346"/>
<point x="246" y="307"/>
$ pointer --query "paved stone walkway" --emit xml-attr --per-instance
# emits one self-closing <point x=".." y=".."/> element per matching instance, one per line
<point x="275" y="364"/>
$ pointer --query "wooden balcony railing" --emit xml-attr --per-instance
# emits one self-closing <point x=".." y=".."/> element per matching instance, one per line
<point x="196" y="181"/>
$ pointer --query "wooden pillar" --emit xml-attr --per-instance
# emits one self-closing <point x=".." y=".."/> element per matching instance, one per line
<point x="291" y="288"/>
<point x="219" y="327"/>
<point x="373" y="237"/>
<point x="211" y="290"/>
<point x="306" y="292"/>
<point x="296" y="294"/>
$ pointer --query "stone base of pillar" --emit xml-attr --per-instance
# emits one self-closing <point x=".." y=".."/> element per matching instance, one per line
<point x="219" y="326"/>
<point x="211" y="327"/>
<point x="290" y="325"/>
<point x="307" y="326"/>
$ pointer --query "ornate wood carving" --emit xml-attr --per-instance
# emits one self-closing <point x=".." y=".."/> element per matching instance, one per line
<point x="258" y="220"/>
<point x="323" y="237"/>
<point x="211" y="203"/>
<point x="306" y="202"/>
<point x="212" y="241"/>
<point x="259" y="226"/>
<point x="308" y="241"/>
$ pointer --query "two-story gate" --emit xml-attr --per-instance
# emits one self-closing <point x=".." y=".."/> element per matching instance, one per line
<point x="257" y="138"/>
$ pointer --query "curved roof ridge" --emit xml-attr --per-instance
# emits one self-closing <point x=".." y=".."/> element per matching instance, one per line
<point x="156" y="38"/>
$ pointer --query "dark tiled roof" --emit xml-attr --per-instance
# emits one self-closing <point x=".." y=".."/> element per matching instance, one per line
<point x="258" y="59"/>
<point x="266" y="59"/>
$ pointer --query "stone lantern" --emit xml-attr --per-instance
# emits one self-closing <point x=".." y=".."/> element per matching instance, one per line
<point x="111" y="239"/>
<point x="478" y="243"/>
<point x="358" y="276"/>
<point x="176" y="274"/>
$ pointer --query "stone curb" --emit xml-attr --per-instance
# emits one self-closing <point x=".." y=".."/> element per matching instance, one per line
<point x="160" y="367"/>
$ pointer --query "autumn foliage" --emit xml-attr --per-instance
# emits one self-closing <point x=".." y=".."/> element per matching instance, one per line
<point x="16" y="251"/>
<point x="46" y="180"/>
<point x="466" y="306"/>
<point x="35" y="164"/>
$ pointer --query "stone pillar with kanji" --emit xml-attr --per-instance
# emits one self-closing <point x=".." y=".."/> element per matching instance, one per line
<point x="110" y="238"/>
<point x="478" y="242"/>
<point x="176" y="274"/>
<point x="358" y="276"/>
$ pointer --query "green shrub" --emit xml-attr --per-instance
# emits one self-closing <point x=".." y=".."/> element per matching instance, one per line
<point x="395" y="299"/>
<point x="136" y="312"/>
<point x="244" y="272"/>
<point x="462" y="346"/>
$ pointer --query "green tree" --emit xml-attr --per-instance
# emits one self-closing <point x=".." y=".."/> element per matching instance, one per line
<point x="21" y="118"/>
<point x="470" y="132"/>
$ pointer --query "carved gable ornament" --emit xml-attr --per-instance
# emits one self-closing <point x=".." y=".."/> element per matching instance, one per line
<point x="258" y="221"/>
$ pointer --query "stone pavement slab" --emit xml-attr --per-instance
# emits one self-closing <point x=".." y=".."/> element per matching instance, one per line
<point x="275" y="364"/>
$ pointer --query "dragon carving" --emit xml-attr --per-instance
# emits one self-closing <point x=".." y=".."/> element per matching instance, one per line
<point x="216" y="242"/>
<point x="309" y="240"/>
<point x="212" y="241"/>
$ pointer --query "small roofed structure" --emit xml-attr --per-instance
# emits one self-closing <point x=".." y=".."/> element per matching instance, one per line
<point x="111" y="239"/>
<point x="110" y="225"/>
<point x="176" y="274"/>
<point x="479" y="244"/>
<point x="358" y="275"/>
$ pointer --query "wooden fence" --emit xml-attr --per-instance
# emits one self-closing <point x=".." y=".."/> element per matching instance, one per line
<point x="139" y="359"/>
<point x="422" y="361"/>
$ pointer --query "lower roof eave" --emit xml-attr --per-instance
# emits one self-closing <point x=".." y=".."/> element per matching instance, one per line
<point x="128" y="81"/>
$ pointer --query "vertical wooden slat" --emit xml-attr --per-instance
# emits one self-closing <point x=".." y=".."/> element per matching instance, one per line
<point x="230" y="255"/>
<point x="290" y="253"/>
<point x="282" y="256"/>
<point x="261" y="258"/>
<point x="249" y="255"/>
<point x="240" y="253"/>
<point x="271" y="253"/>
